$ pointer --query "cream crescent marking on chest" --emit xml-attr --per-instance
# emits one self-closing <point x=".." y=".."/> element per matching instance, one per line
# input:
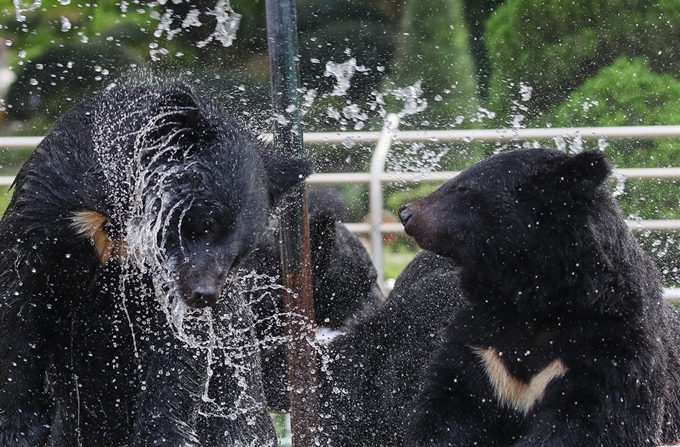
<point x="510" y="390"/>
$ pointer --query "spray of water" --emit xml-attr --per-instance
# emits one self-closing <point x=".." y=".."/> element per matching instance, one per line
<point x="20" y="9"/>
<point x="227" y="24"/>
<point x="412" y="99"/>
<point x="147" y="206"/>
<point x="343" y="73"/>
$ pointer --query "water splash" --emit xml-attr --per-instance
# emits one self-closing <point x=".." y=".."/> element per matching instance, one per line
<point x="411" y="96"/>
<point x="418" y="157"/>
<point x="560" y="144"/>
<point x="147" y="205"/>
<point x="20" y="9"/>
<point x="164" y="26"/>
<point x="65" y="24"/>
<point x="519" y="108"/>
<point x="308" y="97"/>
<point x="576" y="144"/>
<point x="192" y="19"/>
<point x="343" y="73"/>
<point x="620" y="188"/>
<point x="354" y="113"/>
<point x="525" y="91"/>
<point x="602" y="144"/>
<point x="226" y="27"/>
<point x="227" y="23"/>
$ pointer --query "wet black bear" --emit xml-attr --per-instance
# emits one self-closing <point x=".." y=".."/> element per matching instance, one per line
<point x="567" y="340"/>
<point x="375" y="368"/>
<point x="344" y="280"/>
<point x="120" y="317"/>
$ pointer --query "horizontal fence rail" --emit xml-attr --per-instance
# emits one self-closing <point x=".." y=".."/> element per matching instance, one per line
<point x="384" y="139"/>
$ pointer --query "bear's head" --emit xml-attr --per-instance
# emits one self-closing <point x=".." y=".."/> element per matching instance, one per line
<point x="187" y="188"/>
<point x="516" y="209"/>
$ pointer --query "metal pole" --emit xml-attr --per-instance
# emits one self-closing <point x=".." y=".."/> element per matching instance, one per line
<point x="376" y="197"/>
<point x="294" y="227"/>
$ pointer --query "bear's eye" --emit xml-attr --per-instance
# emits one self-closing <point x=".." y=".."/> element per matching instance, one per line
<point x="195" y="229"/>
<point x="461" y="189"/>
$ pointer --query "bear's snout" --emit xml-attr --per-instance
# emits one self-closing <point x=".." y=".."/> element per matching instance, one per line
<point x="202" y="286"/>
<point x="405" y="214"/>
<point x="204" y="295"/>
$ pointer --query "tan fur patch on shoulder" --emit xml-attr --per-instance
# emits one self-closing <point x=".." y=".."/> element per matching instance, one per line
<point x="510" y="390"/>
<point x="92" y="225"/>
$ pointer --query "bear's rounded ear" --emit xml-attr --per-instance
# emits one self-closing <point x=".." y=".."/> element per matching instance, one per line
<point x="284" y="172"/>
<point x="178" y="120"/>
<point x="588" y="170"/>
<point x="580" y="174"/>
<point x="178" y="95"/>
<point x="591" y="166"/>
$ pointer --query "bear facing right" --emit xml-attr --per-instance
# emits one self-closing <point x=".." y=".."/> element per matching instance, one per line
<point x="567" y="340"/>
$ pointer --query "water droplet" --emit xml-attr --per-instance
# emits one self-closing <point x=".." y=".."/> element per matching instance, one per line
<point x="342" y="72"/>
<point x="65" y="24"/>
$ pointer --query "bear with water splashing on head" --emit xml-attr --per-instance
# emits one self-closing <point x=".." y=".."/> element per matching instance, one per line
<point x="567" y="340"/>
<point x="122" y="322"/>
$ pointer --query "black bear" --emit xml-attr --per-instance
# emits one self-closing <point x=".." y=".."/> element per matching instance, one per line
<point x="344" y="280"/>
<point x="122" y="322"/>
<point x="375" y="368"/>
<point x="567" y="340"/>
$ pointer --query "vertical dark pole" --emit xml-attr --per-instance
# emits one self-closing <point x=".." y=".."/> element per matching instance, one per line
<point x="295" y="253"/>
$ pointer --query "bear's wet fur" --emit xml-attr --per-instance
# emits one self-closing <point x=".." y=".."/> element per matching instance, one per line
<point x="344" y="281"/>
<point x="567" y="340"/>
<point x="375" y="368"/>
<point x="121" y="320"/>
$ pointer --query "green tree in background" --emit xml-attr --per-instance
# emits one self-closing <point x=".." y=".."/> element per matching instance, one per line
<point x="476" y="14"/>
<point x="433" y="48"/>
<point x="64" y="51"/>
<point x="629" y="93"/>
<point x="553" y="46"/>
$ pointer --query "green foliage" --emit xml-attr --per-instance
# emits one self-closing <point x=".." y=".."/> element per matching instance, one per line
<point x="554" y="46"/>
<point x="434" y="48"/>
<point x="279" y="420"/>
<point x="5" y="197"/>
<point x="476" y="14"/>
<point x="33" y="30"/>
<point x="629" y="93"/>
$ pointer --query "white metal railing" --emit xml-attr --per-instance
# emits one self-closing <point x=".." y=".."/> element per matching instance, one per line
<point x="383" y="141"/>
<point x="377" y="175"/>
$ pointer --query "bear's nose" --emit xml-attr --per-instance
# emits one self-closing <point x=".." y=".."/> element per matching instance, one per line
<point x="405" y="214"/>
<point x="204" y="296"/>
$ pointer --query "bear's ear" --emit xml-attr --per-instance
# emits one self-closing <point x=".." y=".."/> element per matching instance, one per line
<point x="581" y="174"/>
<point x="283" y="172"/>
<point x="178" y="121"/>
